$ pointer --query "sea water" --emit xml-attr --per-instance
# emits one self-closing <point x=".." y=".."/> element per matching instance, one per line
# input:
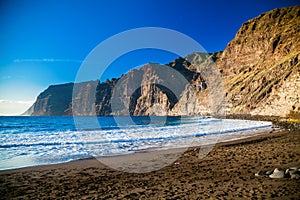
<point x="31" y="141"/>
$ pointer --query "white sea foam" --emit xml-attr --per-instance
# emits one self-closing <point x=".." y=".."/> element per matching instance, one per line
<point x="33" y="147"/>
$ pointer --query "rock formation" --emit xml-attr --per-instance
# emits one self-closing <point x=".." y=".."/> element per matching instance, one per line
<point x="83" y="99"/>
<point x="152" y="90"/>
<point x="103" y="96"/>
<point x="56" y="100"/>
<point x="258" y="73"/>
<point x="261" y="66"/>
<point x="292" y="172"/>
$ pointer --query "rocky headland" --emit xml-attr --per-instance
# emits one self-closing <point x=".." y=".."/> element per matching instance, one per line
<point x="258" y="74"/>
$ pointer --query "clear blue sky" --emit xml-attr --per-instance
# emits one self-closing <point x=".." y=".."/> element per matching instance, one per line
<point x="43" y="42"/>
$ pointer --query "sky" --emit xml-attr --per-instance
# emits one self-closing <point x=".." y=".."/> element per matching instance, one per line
<point x="44" y="43"/>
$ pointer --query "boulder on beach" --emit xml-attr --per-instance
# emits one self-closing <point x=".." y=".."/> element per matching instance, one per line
<point x="269" y="172"/>
<point x="292" y="172"/>
<point x="295" y="176"/>
<point x="259" y="173"/>
<point x="277" y="173"/>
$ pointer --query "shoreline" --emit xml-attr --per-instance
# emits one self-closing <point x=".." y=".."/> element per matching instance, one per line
<point x="259" y="137"/>
<point x="226" y="172"/>
<point x="257" y="132"/>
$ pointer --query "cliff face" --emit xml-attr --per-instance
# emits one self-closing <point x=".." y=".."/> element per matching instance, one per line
<point x="260" y="70"/>
<point x="261" y="66"/>
<point x="257" y="73"/>
<point x="53" y="101"/>
<point x="83" y="102"/>
<point x="56" y="100"/>
<point x="205" y="93"/>
<point x="195" y="100"/>
<point x="152" y="90"/>
<point x="103" y="97"/>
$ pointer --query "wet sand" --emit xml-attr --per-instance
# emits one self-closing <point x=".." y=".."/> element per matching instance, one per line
<point x="227" y="172"/>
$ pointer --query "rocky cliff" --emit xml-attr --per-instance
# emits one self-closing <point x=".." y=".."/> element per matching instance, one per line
<point x="258" y="73"/>
<point x="53" y="101"/>
<point x="261" y="67"/>
<point x="103" y="97"/>
<point x="56" y="100"/>
<point x="82" y="99"/>
<point x="152" y="90"/>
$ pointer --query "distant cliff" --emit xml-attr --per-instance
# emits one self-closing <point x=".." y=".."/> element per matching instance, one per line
<point x="259" y="69"/>
<point x="56" y="100"/>
<point x="152" y="90"/>
<point x="103" y="97"/>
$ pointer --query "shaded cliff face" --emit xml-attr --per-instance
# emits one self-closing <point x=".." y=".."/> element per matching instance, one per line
<point x="83" y="99"/>
<point x="152" y="90"/>
<point x="103" y="97"/>
<point x="261" y="67"/>
<point x="56" y="100"/>
<point x="205" y="94"/>
<point x="195" y="100"/>
<point x="53" y="101"/>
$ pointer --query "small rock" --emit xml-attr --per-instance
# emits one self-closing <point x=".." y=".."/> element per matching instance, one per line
<point x="295" y="176"/>
<point x="269" y="172"/>
<point x="259" y="173"/>
<point x="290" y="172"/>
<point x="278" y="173"/>
<point x="295" y="168"/>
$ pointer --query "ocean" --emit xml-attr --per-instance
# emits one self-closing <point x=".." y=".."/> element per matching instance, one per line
<point x="32" y="141"/>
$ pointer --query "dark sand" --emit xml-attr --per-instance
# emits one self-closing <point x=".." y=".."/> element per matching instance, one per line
<point x="227" y="172"/>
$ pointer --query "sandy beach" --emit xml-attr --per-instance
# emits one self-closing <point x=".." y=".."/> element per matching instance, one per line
<point x="227" y="172"/>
